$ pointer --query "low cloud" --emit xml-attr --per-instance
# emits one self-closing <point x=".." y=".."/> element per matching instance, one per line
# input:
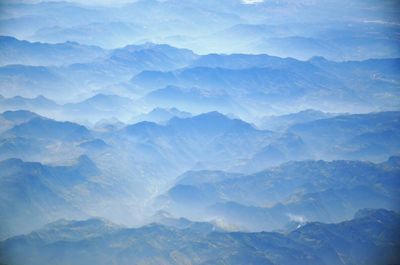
<point x="297" y="218"/>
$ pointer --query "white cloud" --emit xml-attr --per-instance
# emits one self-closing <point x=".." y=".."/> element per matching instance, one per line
<point x="250" y="2"/>
<point x="297" y="218"/>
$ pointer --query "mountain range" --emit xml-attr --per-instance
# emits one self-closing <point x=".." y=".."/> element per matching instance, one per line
<point x="267" y="200"/>
<point x="185" y="132"/>
<point x="164" y="76"/>
<point x="101" y="242"/>
<point x="364" y="30"/>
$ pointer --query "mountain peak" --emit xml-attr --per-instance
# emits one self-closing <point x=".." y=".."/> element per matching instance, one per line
<point x="86" y="166"/>
<point x="377" y="214"/>
<point x="8" y="163"/>
<point x="213" y="117"/>
<point x="213" y="114"/>
<point x="19" y="115"/>
<point x="50" y="129"/>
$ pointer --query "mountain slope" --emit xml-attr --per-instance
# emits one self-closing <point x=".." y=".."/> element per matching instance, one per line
<point x="42" y="128"/>
<point x="39" y="193"/>
<point x="205" y="137"/>
<point x="307" y="190"/>
<point x="375" y="233"/>
<point x="352" y="136"/>
<point x="14" y="51"/>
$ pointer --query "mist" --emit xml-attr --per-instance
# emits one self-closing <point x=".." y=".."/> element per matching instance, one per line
<point x="199" y="132"/>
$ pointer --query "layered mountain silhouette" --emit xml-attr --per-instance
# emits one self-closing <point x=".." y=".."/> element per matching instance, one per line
<point x="96" y="240"/>
<point x="199" y="132"/>
<point x="309" y="190"/>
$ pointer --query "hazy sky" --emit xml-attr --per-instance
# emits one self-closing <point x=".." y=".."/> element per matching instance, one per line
<point x="106" y="2"/>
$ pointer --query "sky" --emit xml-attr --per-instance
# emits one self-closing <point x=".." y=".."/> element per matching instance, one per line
<point x="106" y="2"/>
